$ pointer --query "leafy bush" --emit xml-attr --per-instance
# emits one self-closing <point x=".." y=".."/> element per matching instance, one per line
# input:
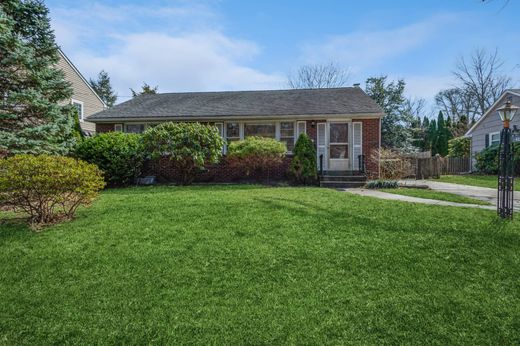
<point x="119" y="155"/>
<point x="459" y="147"/>
<point x="303" y="165"/>
<point x="382" y="184"/>
<point x="487" y="159"/>
<point x="188" y="145"/>
<point x="48" y="188"/>
<point x="256" y="154"/>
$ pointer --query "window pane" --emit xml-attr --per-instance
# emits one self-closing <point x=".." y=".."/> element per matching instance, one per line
<point x="339" y="152"/>
<point x="286" y="129"/>
<point x="260" y="130"/>
<point x="135" y="128"/>
<point x="232" y="130"/>
<point x="338" y="133"/>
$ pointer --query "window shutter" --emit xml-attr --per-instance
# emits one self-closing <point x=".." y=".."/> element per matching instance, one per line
<point x="487" y="140"/>
<point x="300" y="128"/>
<point x="357" y="141"/>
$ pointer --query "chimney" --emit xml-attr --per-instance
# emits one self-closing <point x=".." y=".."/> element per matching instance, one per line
<point x="355" y="85"/>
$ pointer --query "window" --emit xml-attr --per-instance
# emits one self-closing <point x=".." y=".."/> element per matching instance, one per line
<point x="79" y="106"/>
<point x="260" y="130"/>
<point x="494" y="138"/>
<point x="287" y="135"/>
<point x="232" y="132"/>
<point x="338" y="141"/>
<point x="135" y="128"/>
<point x="301" y="128"/>
<point x="118" y="127"/>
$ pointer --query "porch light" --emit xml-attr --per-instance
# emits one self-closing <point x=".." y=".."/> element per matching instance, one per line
<point x="507" y="112"/>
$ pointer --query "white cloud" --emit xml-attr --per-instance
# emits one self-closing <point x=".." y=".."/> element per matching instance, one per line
<point x="364" y="49"/>
<point x="180" y="49"/>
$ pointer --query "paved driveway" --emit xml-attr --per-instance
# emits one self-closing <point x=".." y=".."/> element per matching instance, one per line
<point x="482" y="193"/>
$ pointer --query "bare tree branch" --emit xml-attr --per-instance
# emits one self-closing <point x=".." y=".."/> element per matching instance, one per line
<point x="318" y="76"/>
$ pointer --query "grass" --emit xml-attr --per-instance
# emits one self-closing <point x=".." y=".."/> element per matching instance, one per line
<point x="437" y="195"/>
<point x="490" y="181"/>
<point x="255" y="265"/>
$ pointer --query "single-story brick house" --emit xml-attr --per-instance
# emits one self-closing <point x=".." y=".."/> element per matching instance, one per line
<point x="344" y="123"/>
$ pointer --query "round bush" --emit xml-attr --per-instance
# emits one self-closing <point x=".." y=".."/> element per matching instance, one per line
<point x="188" y="145"/>
<point x="48" y="188"/>
<point x="119" y="155"/>
<point x="256" y="154"/>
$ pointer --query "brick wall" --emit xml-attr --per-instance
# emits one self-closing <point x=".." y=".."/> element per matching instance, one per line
<point x="370" y="144"/>
<point x="100" y="128"/>
<point x="222" y="172"/>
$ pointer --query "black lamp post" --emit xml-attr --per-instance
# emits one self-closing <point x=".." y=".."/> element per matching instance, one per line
<point x="505" y="167"/>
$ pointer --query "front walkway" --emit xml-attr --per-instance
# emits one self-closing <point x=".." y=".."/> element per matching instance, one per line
<point x="391" y="196"/>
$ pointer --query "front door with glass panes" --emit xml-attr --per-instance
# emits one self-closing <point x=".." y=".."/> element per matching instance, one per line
<point x="338" y="148"/>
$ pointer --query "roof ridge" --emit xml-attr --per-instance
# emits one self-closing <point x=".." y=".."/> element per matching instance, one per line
<point x="250" y="91"/>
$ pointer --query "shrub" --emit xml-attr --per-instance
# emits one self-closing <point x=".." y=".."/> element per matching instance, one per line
<point x="303" y="165"/>
<point x="382" y="184"/>
<point x="119" y="155"/>
<point x="459" y="147"/>
<point x="48" y="188"/>
<point x="487" y="159"/>
<point x="188" y="145"/>
<point x="256" y="154"/>
<point x="391" y="164"/>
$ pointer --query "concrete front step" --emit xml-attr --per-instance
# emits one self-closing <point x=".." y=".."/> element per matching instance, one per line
<point x="341" y="184"/>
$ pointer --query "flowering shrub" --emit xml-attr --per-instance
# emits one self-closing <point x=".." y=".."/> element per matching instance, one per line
<point x="48" y="188"/>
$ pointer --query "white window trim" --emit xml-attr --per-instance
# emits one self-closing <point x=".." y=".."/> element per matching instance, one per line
<point x="118" y="127"/>
<point x="491" y="137"/>
<point x="294" y="137"/>
<point x="81" y="116"/>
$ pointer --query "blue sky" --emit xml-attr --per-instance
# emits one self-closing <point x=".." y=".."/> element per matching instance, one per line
<point x="235" y="45"/>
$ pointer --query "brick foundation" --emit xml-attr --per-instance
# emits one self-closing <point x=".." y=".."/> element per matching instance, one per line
<point x="222" y="172"/>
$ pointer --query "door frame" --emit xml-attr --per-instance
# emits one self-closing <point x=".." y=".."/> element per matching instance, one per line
<point x="348" y="143"/>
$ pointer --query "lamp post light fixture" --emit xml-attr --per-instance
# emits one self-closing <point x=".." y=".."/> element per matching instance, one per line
<point x="505" y="167"/>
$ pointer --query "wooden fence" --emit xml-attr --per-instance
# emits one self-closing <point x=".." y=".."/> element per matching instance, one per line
<point x="433" y="167"/>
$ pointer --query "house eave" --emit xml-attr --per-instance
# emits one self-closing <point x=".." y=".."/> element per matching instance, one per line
<point x="233" y="117"/>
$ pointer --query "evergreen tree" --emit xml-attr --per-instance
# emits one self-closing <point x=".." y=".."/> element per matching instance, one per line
<point x="442" y="135"/>
<point x="104" y="89"/>
<point x="145" y="89"/>
<point x="426" y="143"/>
<point x="31" y="117"/>
<point x="395" y="132"/>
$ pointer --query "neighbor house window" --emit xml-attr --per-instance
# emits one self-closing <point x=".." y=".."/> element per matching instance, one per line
<point x="494" y="138"/>
<point x="287" y="134"/>
<point x="232" y="132"/>
<point x="135" y="128"/>
<point x="79" y="106"/>
<point x="260" y="130"/>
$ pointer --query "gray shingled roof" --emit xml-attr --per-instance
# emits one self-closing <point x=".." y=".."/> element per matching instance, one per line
<point x="332" y="101"/>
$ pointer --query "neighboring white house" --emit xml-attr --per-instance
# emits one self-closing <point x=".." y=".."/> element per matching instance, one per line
<point x="486" y="131"/>
<point x="83" y="97"/>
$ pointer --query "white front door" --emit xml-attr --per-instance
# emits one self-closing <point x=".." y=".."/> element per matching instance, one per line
<point x="338" y="146"/>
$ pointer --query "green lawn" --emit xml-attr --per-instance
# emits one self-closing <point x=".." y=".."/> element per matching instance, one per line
<point x="234" y="265"/>
<point x="490" y="181"/>
<point x="438" y="195"/>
